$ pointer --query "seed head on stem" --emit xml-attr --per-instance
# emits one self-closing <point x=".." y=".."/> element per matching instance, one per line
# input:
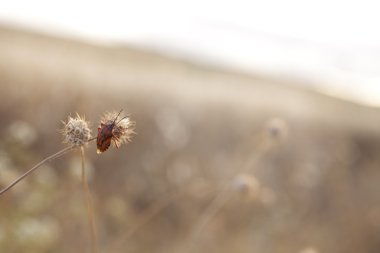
<point x="76" y="131"/>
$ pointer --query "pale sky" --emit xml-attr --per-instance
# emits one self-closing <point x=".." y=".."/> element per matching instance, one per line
<point x="335" y="43"/>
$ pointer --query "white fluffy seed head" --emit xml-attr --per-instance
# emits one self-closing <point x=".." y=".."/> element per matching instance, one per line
<point x="76" y="131"/>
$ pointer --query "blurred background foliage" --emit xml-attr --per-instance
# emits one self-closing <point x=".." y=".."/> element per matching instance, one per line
<point x="222" y="161"/>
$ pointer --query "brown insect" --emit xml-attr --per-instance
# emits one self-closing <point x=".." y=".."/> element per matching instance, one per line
<point x="109" y="131"/>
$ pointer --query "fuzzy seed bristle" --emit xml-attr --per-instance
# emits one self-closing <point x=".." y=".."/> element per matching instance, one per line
<point x="76" y="131"/>
<point x="122" y="130"/>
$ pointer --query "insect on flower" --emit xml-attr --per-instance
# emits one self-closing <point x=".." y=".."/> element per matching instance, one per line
<point x="113" y="130"/>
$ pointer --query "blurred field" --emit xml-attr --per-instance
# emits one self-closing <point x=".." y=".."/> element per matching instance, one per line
<point x="292" y="170"/>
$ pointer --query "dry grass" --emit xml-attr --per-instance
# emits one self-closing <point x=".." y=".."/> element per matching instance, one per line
<point x="197" y="129"/>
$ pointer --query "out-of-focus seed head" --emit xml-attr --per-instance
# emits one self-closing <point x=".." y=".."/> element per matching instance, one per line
<point x="309" y="250"/>
<point x="246" y="185"/>
<point x="76" y="131"/>
<point x="277" y="129"/>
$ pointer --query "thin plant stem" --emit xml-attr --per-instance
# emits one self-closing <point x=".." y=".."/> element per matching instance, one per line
<point x="89" y="206"/>
<point x="47" y="159"/>
<point x="146" y="217"/>
<point x="211" y="210"/>
<point x="222" y="197"/>
<point x="143" y="220"/>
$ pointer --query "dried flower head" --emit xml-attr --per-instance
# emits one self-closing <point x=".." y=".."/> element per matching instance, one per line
<point x="76" y="131"/>
<point x="246" y="185"/>
<point x="113" y="130"/>
<point x="277" y="129"/>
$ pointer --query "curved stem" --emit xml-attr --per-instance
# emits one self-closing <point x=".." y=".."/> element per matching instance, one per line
<point x="59" y="153"/>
